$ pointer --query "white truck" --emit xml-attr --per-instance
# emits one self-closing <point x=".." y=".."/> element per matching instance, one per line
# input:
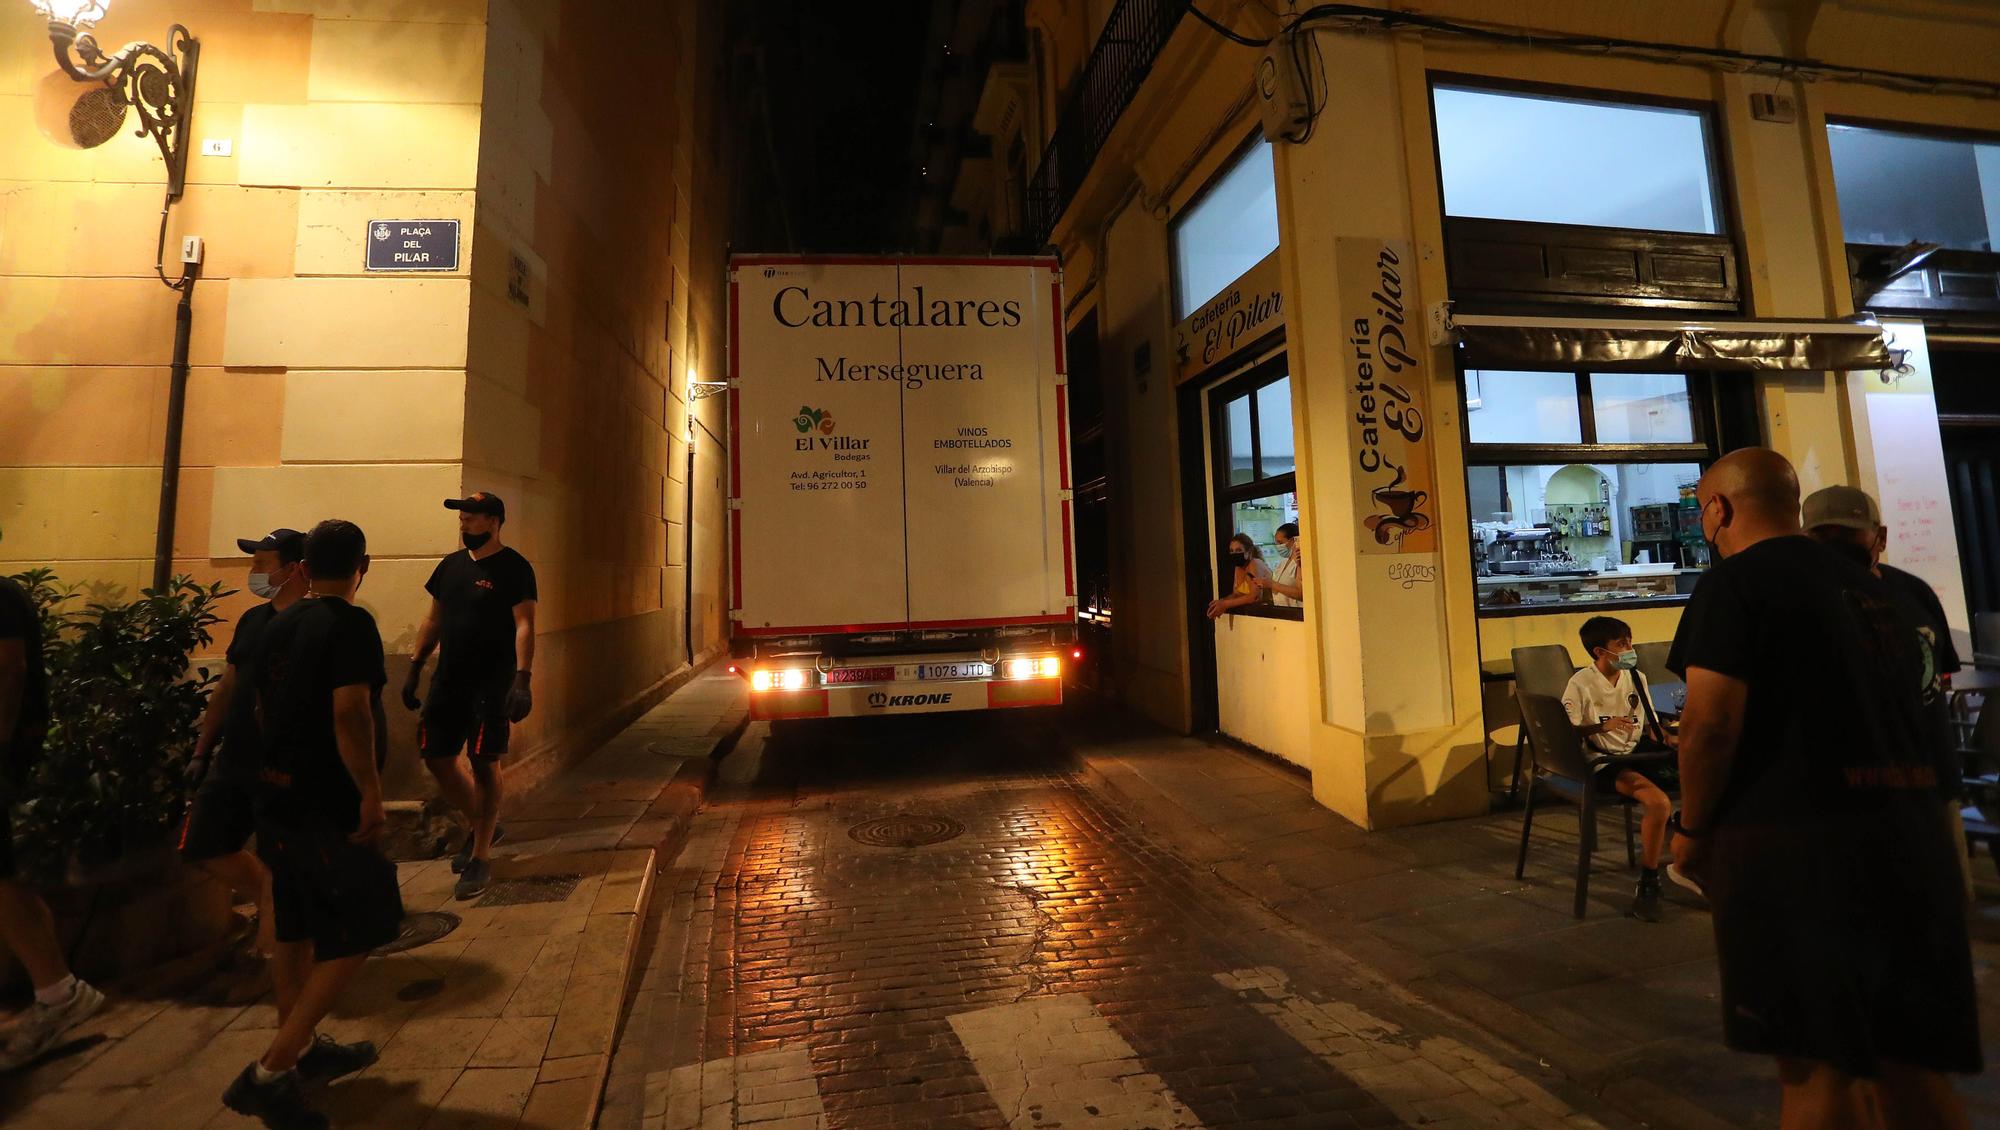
<point x="899" y="501"/>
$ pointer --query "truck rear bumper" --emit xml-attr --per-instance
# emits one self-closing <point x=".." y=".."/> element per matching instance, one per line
<point x="904" y="698"/>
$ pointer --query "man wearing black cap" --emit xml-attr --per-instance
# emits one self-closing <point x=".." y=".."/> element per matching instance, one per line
<point x="318" y="683"/>
<point x="483" y="615"/>
<point x="220" y="817"/>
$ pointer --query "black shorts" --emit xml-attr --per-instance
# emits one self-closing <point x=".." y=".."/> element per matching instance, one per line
<point x="1845" y="946"/>
<point x="468" y="716"/>
<point x="219" y="819"/>
<point x="325" y="889"/>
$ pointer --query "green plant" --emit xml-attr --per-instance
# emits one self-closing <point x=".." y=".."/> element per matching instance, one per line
<point x="123" y="706"/>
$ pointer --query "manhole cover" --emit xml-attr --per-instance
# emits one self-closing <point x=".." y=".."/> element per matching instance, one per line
<point x="906" y="831"/>
<point x="530" y="888"/>
<point x="419" y="930"/>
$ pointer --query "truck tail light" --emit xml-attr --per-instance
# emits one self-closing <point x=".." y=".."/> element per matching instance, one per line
<point x="1045" y="667"/>
<point x="794" y="679"/>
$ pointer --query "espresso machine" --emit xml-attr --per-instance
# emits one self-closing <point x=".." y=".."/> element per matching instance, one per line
<point x="1518" y="552"/>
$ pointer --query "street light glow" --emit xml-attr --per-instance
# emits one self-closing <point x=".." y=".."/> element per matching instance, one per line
<point x="75" y="13"/>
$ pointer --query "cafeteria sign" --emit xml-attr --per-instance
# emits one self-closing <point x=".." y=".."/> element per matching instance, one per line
<point x="412" y="245"/>
<point x="1245" y="311"/>
<point x="1394" y="482"/>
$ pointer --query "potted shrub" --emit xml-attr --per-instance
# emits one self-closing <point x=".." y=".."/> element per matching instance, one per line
<point x="95" y="822"/>
<point x="123" y="707"/>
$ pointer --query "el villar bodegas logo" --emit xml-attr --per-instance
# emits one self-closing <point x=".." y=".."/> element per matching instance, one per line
<point x="813" y="419"/>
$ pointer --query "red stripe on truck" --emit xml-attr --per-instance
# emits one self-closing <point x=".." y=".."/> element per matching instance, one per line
<point x="1062" y="432"/>
<point x="1069" y="566"/>
<point x="921" y="625"/>
<point x="1050" y="261"/>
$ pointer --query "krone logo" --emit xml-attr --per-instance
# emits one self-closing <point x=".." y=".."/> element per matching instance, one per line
<point x="878" y="700"/>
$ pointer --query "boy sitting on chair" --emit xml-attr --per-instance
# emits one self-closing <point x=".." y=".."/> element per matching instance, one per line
<point x="1607" y="702"/>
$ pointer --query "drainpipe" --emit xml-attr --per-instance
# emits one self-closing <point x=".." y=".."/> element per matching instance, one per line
<point x="170" y="460"/>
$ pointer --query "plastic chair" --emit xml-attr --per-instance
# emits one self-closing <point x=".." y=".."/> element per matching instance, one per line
<point x="1653" y="662"/>
<point x="1545" y="670"/>
<point x="1563" y="765"/>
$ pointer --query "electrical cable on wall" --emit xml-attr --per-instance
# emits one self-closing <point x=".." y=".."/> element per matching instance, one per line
<point x="1361" y="18"/>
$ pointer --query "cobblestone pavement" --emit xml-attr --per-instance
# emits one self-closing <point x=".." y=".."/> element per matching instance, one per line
<point x="1048" y="963"/>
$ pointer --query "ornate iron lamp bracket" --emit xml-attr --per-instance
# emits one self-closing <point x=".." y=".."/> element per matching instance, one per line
<point x="158" y="84"/>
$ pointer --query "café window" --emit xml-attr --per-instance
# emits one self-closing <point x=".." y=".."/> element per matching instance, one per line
<point x="1539" y="158"/>
<point x="1580" y="487"/>
<point x="1227" y="230"/>
<point x="1253" y="467"/>
<point x="1896" y="188"/>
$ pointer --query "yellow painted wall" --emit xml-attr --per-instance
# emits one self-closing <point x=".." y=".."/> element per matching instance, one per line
<point x="317" y="391"/>
<point x="596" y="297"/>
<point x="1264" y="670"/>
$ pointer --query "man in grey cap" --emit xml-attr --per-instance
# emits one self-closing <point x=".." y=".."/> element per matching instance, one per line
<point x="1846" y="520"/>
<point x="216" y="833"/>
<point x="483" y="617"/>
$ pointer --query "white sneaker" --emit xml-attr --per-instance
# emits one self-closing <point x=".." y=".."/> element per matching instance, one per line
<point x="44" y="1025"/>
<point x="1683" y="879"/>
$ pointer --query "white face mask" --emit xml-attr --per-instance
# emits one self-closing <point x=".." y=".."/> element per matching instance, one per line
<point x="260" y="584"/>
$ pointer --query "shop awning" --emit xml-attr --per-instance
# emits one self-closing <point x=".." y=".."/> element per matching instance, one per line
<point x="1499" y="341"/>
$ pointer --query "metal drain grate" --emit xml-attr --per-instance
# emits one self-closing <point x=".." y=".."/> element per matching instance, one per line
<point x="529" y="889"/>
<point x="905" y="831"/>
<point x="420" y="930"/>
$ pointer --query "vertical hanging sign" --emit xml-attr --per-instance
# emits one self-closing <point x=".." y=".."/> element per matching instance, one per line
<point x="1395" y="487"/>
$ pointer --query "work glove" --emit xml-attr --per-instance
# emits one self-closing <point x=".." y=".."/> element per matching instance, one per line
<point x="410" y="698"/>
<point x="195" y="769"/>
<point x="519" y="701"/>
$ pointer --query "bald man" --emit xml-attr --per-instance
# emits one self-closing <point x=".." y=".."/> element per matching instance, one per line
<point x="1809" y="814"/>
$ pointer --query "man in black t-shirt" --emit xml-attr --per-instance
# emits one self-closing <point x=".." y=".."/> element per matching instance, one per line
<point x="318" y="681"/>
<point x="483" y="616"/>
<point x="1810" y="815"/>
<point x="61" y="1000"/>
<point x="216" y="832"/>
<point x="1846" y="520"/>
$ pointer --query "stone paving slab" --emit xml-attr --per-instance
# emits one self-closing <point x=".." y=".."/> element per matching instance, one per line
<point x="506" y="1023"/>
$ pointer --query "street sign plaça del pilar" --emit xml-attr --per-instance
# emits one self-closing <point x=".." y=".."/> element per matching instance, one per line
<point x="412" y="245"/>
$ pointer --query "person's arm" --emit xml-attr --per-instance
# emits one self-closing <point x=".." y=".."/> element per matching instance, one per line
<point x="1711" y="729"/>
<point x="519" y="700"/>
<point x="354" y="733"/>
<point x="427" y="640"/>
<point x="13" y="685"/>
<point x="212" y="718"/>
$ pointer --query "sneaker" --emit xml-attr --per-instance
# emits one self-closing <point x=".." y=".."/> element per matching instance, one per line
<point x="43" y="1026"/>
<point x="1683" y="879"/>
<point x="279" y="1104"/>
<point x="327" y="1060"/>
<point x="1646" y="899"/>
<point x="472" y="881"/>
<point x="465" y="850"/>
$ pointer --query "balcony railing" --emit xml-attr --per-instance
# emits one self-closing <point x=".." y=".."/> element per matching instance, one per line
<point x="1133" y="37"/>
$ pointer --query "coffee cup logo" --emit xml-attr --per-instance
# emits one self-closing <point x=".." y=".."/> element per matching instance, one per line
<point x="1403" y="513"/>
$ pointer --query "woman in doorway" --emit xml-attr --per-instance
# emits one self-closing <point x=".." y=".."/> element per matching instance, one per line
<point x="1283" y="584"/>
<point x="1250" y="569"/>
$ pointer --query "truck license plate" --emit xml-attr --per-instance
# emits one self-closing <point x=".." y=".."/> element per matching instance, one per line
<point x="955" y="671"/>
<point x="841" y="675"/>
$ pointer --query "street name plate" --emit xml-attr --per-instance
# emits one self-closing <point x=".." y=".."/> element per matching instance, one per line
<point x="412" y="245"/>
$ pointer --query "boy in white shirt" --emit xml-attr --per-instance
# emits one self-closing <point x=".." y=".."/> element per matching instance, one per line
<point x="1607" y="703"/>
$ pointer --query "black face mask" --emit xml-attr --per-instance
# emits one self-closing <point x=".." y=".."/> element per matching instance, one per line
<point x="1856" y="553"/>
<point x="475" y="542"/>
<point x="1240" y="557"/>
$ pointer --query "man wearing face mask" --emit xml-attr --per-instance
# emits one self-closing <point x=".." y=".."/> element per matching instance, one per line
<point x="483" y="616"/>
<point x="219" y="820"/>
<point x="1810" y="815"/>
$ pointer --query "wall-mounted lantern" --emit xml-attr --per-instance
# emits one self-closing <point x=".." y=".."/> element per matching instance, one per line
<point x="157" y="83"/>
